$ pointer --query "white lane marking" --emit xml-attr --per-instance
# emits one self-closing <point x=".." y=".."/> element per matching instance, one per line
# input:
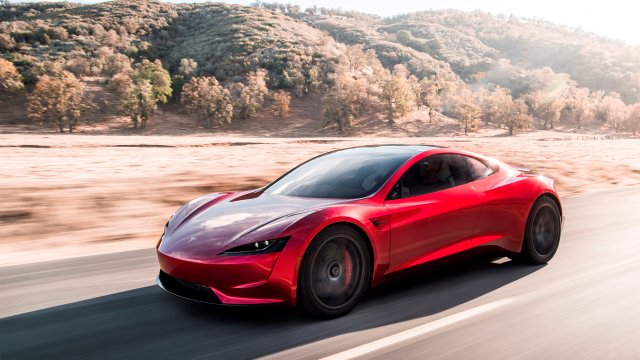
<point x="417" y="331"/>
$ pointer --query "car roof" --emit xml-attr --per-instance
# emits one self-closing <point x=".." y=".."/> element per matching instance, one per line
<point x="394" y="149"/>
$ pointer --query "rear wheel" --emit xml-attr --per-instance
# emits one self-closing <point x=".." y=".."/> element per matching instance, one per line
<point x="542" y="235"/>
<point x="335" y="272"/>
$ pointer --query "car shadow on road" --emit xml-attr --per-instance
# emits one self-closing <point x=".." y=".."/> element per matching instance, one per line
<point x="147" y="322"/>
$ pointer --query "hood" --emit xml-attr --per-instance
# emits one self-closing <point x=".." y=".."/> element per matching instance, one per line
<point x="211" y="223"/>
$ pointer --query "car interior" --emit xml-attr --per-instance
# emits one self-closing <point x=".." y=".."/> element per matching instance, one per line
<point x="435" y="173"/>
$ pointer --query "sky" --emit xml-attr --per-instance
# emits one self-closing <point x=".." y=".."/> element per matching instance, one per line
<point x="617" y="19"/>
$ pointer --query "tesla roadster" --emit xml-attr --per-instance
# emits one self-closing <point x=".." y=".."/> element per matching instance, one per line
<point x="323" y="233"/>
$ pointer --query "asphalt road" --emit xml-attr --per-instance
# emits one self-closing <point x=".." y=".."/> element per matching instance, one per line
<point x="583" y="305"/>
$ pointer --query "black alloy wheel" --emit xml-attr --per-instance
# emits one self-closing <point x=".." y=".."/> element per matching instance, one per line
<point x="542" y="235"/>
<point x="335" y="272"/>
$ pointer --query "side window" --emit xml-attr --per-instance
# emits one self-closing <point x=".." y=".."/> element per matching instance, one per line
<point x="477" y="169"/>
<point x="431" y="174"/>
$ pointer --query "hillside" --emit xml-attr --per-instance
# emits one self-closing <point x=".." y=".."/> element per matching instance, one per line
<point x="594" y="62"/>
<point x="468" y="56"/>
<point x="227" y="41"/>
<point x="472" y="43"/>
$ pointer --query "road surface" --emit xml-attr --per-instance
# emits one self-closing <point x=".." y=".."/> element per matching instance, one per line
<point x="583" y="305"/>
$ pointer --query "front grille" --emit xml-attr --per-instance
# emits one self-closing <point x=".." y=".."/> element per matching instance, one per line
<point x="187" y="289"/>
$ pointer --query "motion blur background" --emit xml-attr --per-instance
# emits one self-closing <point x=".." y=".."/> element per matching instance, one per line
<point x="113" y="114"/>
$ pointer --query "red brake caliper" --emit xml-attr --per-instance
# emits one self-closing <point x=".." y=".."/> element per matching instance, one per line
<point x="348" y="264"/>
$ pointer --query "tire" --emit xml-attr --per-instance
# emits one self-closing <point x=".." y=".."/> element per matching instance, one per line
<point x="335" y="273"/>
<point x="542" y="234"/>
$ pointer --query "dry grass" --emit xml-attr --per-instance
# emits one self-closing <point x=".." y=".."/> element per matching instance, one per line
<point x="74" y="195"/>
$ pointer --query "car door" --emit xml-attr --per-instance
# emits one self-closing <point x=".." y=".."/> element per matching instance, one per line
<point x="430" y="220"/>
<point x="503" y="206"/>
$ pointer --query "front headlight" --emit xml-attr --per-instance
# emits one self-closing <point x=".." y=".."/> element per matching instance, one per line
<point x="164" y="230"/>
<point x="258" y="247"/>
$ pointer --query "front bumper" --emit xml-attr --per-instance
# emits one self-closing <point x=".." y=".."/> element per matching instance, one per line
<point x="230" y="280"/>
<point x="186" y="289"/>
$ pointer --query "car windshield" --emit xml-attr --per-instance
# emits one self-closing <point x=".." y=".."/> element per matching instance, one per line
<point x="346" y="174"/>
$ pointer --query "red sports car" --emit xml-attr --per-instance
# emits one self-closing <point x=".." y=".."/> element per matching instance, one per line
<point x="326" y="231"/>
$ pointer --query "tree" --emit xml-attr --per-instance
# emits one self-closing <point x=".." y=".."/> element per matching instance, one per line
<point x="10" y="79"/>
<point x="206" y="96"/>
<point x="186" y="70"/>
<point x="614" y="111"/>
<point x="109" y="38"/>
<point x="345" y="100"/>
<point x="187" y="67"/>
<point x="157" y="76"/>
<point x="397" y="93"/>
<point x="79" y="64"/>
<point x="431" y="89"/>
<point x="496" y="106"/>
<point x="632" y="123"/>
<point x="121" y="83"/>
<point x="580" y="106"/>
<point x="354" y="57"/>
<point x="545" y="106"/>
<point x="281" y="102"/>
<point x="417" y="90"/>
<point x="404" y="36"/>
<point x="517" y="116"/>
<point x="250" y="97"/>
<point x="58" y="100"/>
<point x="313" y="78"/>
<point x="117" y="63"/>
<point x="140" y="102"/>
<point x="468" y="114"/>
<point x="150" y="84"/>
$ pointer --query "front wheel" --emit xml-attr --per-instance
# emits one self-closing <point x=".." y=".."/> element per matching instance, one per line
<point x="335" y="272"/>
<point x="542" y="234"/>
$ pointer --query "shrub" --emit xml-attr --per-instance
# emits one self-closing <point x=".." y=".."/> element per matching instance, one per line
<point x="281" y="100"/>
<point x="10" y="79"/>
